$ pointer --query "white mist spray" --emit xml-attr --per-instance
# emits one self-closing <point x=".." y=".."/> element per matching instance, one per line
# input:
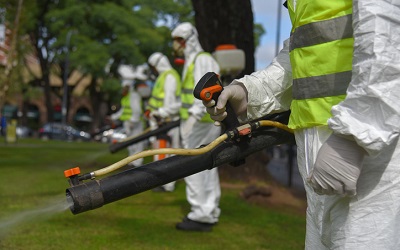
<point x="56" y="205"/>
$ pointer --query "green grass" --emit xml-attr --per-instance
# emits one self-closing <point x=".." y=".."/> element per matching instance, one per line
<point x="32" y="181"/>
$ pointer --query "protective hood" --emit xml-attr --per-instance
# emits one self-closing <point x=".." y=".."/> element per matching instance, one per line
<point x="126" y="83"/>
<point x="188" y="32"/>
<point x="126" y="71"/>
<point x="160" y="62"/>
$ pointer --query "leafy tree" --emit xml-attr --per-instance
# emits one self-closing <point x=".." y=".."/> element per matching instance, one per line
<point x="10" y="79"/>
<point x="102" y="33"/>
<point x="93" y="35"/>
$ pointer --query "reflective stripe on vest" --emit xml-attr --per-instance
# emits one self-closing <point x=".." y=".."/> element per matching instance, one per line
<point x="187" y="97"/>
<point x="321" y="49"/>
<point x="156" y="100"/>
<point x="126" y="111"/>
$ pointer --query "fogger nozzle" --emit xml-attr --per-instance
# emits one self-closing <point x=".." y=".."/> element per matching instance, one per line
<point x="96" y="193"/>
<point x="84" y="197"/>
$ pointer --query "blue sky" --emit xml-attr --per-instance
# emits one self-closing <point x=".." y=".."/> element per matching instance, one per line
<point x="266" y="13"/>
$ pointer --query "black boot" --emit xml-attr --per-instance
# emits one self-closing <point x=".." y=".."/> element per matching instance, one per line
<point x="191" y="225"/>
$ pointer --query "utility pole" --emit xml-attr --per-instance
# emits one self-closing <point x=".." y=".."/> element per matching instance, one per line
<point x="10" y="57"/>
<point x="290" y="146"/>
<point x="64" y="107"/>
<point x="278" y="27"/>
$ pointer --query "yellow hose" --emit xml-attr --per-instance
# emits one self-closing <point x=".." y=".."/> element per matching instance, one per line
<point x="179" y="151"/>
<point x="176" y="151"/>
<point x="266" y="123"/>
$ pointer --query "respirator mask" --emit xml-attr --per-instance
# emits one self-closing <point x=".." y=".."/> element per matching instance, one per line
<point x="178" y="47"/>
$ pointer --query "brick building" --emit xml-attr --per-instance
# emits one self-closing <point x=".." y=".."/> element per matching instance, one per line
<point x="31" y="110"/>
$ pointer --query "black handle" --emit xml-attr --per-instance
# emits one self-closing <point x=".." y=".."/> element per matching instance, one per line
<point x="210" y="86"/>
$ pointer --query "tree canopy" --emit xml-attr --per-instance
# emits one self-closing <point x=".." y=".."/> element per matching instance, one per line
<point x="96" y="34"/>
<point x="90" y="36"/>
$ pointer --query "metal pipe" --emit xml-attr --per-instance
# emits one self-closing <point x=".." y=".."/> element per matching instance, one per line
<point x="163" y="129"/>
<point x="96" y="193"/>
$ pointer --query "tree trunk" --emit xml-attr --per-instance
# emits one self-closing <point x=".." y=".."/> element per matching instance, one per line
<point x="45" y="77"/>
<point x="47" y="94"/>
<point x="226" y="22"/>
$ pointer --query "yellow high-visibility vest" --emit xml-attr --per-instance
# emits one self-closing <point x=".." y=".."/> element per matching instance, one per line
<point x="321" y="49"/>
<point x="156" y="100"/>
<point x="187" y="97"/>
<point x="126" y="105"/>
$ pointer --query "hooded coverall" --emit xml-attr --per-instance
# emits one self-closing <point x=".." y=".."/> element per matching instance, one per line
<point x="130" y="114"/>
<point x="355" y="43"/>
<point x="202" y="189"/>
<point x="165" y="100"/>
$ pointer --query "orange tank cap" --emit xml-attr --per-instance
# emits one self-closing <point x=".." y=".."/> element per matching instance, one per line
<point x="179" y="61"/>
<point x="73" y="171"/>
<point x="226" y="47"/>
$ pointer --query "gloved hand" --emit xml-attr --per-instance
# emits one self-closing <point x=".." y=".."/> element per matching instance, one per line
<point x="153" y="124"/>
<point x="236" y="93"/>
<point x="337" y="167"/>
<point x="188" y="126"/>
<point x="155" y="115"/>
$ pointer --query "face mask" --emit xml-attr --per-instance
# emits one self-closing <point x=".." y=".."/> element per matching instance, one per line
<point x="153" y="72"/>
<point x="178" y="49"/>
<point x="144" y="91"/>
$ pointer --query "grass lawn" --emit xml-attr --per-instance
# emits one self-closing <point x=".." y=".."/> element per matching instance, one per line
<point x="33" y="214"/>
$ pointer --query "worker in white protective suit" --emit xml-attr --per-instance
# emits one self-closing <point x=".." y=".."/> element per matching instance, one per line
<point x="164" y="105"/>
<point x="131" y="114"/>
<point x="340" y="76"/>
<point x="202" y="189"/>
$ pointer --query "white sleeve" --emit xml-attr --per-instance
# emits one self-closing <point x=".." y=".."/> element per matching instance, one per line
<point x="171" y="103"/>
<point x="203" y="64"/>
<point x="136" y="106"/>
<point x="371" y="109"/>
<point x="115" y="116"/>
<point x="270" y="89"/>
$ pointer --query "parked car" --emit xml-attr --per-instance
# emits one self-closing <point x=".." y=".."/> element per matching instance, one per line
<point x="111" y="135"/>
<point x="61" y="131"/>
<point x="23" y="132"/>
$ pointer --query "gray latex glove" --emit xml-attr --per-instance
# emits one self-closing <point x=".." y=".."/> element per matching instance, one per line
<point x="236" y="93"/>
<point x="337" y="167"/>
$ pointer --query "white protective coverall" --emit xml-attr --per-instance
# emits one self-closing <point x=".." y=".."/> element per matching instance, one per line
<point x="171" y="104"/>
<point x="371" y="113"/>
<point x="134" y="125"/>
<point x="202" y="189"/>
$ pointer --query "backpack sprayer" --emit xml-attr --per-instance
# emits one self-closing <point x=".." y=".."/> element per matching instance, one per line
<point x="87" y="193"/>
